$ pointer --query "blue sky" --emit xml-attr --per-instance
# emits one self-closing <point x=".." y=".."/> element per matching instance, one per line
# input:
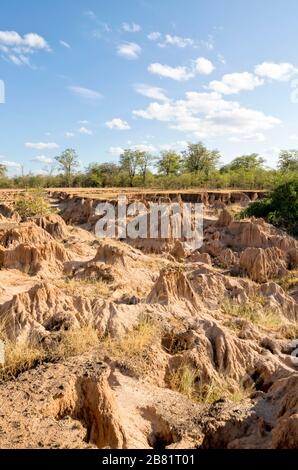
<point x="101" y="76"/>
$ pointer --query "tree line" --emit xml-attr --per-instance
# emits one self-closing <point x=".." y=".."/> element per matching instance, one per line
<point x="197" y="166"/>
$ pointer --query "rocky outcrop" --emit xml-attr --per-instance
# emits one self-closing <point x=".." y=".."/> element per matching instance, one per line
<point x="263" y="264"/>
<point x="173" y="287"/>
<point x="53" y="224"/>
<point x="46" y="259"/>
<point x="26" y="233"/>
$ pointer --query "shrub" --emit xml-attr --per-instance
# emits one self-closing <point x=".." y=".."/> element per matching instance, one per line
<point x="33" y="203"/>
<point x="280" y="208"/>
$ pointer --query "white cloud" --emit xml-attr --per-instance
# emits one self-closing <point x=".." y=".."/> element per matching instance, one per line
<point x="233" y="83"/>
<point x="177" y="41"/>
<point x="144" y="148"/>
<point x="116" y="151"/>
<point x="204" y="66"/>
<point x="176" y="73"/>
<point x="18" y="49"/>
<point x="41" y="145"/>
<point x="42" y="159"/>
<point x="10" y="164"/>
<point x="179" y="145"/>
<point x="118" y="124"/>
<point x="85" y="131"/>
<point x="131" y="28"/>
<point x="65" y="44"/>
<point x="85" y="92"/>
<point x="151" y="92"/>
<point x="258" y="137"/>
<point x="129" y="50"/>
<point x="69" y="134"/>
<point x="154" y="36"/>
<point x="207" y="115"/>
<point x="83" y="122"/>
<point x="281" y="72"/>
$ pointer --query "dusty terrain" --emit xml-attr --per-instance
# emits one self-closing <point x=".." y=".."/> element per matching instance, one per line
<point x="121" y="344"/>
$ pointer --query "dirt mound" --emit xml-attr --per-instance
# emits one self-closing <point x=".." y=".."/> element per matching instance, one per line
<point x="8" y="213"/>
<point x="263" y="264"/>
<point x="118" y="263"/>
<point x="53" y="224"/>
<point x="27" y="233"/>
<point x="42" y="309"/>
<point x="173" y="287"/>
<point x="273" y="414"/>
<point x="44" y="259"/>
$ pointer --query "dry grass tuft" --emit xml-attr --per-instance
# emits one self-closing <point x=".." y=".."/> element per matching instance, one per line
<point x="88" y="287"/>
<point x="20" y="356"/>
<point x="75" y="342"/>
<point x="254" y="312"/>
<point x="186" y="380"/>
<point x="290" y="281"/>
<point x="133" y="350"/>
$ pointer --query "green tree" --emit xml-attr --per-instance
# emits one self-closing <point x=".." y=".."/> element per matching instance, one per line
<point x="169" y="163"/>
<point x="288" y="160"/>
<point x="3" y="170"/>
<point x="131" y="161"/>
<point x="250" y="162"/>
<point x="68" y="161"/>
<point x="279" y="208"/>
<point x="197" y="158"/>
<point x="144" y="160"/>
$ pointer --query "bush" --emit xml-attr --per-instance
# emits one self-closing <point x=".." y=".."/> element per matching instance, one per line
<point x="33" y="203"/>
<point x="280" y="208"/>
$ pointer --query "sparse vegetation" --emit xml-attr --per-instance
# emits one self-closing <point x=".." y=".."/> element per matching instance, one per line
<point x="21" y="355"/>
<point x="187" y="380"/>
<point x="74" y="341"/>
<point x="255" y="312"/>
<point x="133" y="349"/>
<point x="33" y="203"/>
<point x="94" y="288"/>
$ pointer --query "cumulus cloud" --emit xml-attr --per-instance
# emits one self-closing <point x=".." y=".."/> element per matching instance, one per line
<point x="69" y="134"/>
<point x="208" y="115"/>
<point x="144" y="147"/>
<point x="154" y="36"/>
<point x="118" y="124"/>
<point x="86" y="93"/>
<point x="42" y="159"/>
<point x="10" y="164"/>
<point x="85" y="131"/>
<point x="177" y="41"/>
<point x="131" y="27"/>
<point x="204" y="66"/>
<point x="17" y="48"/>
<point x="201" y="66"/>
<point x="176" y="73"/>
<point x="116" y="151"/>
<point x="41" y="145"/>
<point x="281" y="72"/>
<point x="129" y="50"/>
<point x="151" y="92"/>
<point x="233" y="83"/>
